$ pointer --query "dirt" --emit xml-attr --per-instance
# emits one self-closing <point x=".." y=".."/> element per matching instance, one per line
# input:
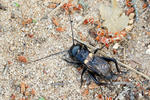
<point x="27" y="31"/>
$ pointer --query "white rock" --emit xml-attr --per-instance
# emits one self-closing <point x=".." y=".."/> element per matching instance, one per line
<point x="148" y="51"/>
<point x="131" y="16"/>
<point x="129" y="28"/>
<point x="131" y="21"/>
<point x="12" y="48"/>
<point x="116" y="46"/>
<point x="79" y="18"/>
<point x="148" y="46"/>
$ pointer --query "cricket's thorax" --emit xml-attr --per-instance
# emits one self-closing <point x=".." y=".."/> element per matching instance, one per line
<point x="88" y="58"/>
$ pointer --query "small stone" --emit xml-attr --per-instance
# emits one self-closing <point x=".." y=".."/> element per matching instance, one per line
<point x="12" y="48"/>
<point x="129" y="28"/>
<point x="79" y="18"/>
<point x="131" y="22"/>
<point x="140" y="97"/>
<point x="131" y="16"/>
<point x="148" y="46"/>
<point x="116" y="46"/>
<point x="148" y="33"/>
<point x="148" y="51"/>
<point x="93" y="86"/>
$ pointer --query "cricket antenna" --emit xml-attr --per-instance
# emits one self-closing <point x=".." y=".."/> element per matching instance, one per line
<point x="71" y="27"/>
<point x="49" y="56"/>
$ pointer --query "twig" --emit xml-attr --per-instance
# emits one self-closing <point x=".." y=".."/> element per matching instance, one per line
<point x="124" y="54"/>
<point x="62" y="3"/>
<point x="120" y="63"/>
<point x="5" y="69"/>
<point x="82" y="21"/>
<point x="123" y="83"/>
<point x="127" y="66"/>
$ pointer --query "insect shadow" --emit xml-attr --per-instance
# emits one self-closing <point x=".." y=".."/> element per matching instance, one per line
<point x="97" y="67"/>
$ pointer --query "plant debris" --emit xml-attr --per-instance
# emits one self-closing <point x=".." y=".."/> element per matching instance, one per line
<point x="85" y="92"/>
<point x="22" y="59"/>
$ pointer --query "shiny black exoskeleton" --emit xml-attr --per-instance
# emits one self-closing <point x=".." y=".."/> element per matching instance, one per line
<point x="96" y="66"/>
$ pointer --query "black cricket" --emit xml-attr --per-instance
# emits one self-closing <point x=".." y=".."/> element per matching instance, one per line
<point x="97" y="67"/>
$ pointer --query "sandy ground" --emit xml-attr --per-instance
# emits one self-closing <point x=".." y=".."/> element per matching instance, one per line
<point x="53" y="78"/>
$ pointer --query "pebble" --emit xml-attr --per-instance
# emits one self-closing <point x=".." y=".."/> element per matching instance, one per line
<point x="140" y="97"/>
<point x="116" y="46"/>
<point x="148" y="51"/>
<point x="131" y="16"/>
<point x="131" y="22"/>
<point x="12" y="48"/>
<point x="148" y="33"/>
<point x="148" y="46"/>
<point x="129" y="28"/>
<point x="79" y="18"/>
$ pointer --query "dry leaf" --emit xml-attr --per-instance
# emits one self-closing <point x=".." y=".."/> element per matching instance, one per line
<point x="145" y="5"/>
<point x="28" y="21"/>
<point x="13" y="97"/>
<point x="22" y="99"/>
<point x="85" y="21"/>
<point x="30" y="35"/>
<point x="108" y="98"/>
<point x="85" y="92"/>
<point x="52" y="5"/>
<point x="33" y="92"/>
<point x="93" y="86"/>
<point x="149" y="93"/>
<point x="55" y="22"/>
<point x="79" y="68"/>
<point x="100" y="97"/>
<point x="26" y="86"/>
<point x="26" y="93"/>
<point x="22" y="86"/>
<point x="60" y="29"/>
<point x="9" y="62"/>
<point x="22" y="59"/>
<point x="148" y="33"/>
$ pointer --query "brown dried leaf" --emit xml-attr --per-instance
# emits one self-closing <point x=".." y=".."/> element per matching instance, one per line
<point x="9" y="62"/>
<point x="52" y="5"/>
<point x="13" y="97"/>
<point x="26" y="93"/>
<point x="93" y="86"/>
<point x="30" y="35"/>
<point x="85" y="92"/>
<point x="79" y="68"/>
<point x="28" y="21"/>
<point x="22" y="59"/>
<point x="149" y="93"/>
<point x="148" y="33"/>
<point x="22" y="99"/>
<point x="33" y="92"/>
<point x="100" y="97"/>
<point x="145" y="5"/>
<point x="22" y="87"/>
<point x="60" y="29"/>
<point x="55" y="22"/>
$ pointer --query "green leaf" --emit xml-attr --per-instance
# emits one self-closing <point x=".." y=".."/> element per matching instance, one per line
<point x="16" y="4"/>
<point x="41" y="98"/>
<point x="34" y="21"/>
